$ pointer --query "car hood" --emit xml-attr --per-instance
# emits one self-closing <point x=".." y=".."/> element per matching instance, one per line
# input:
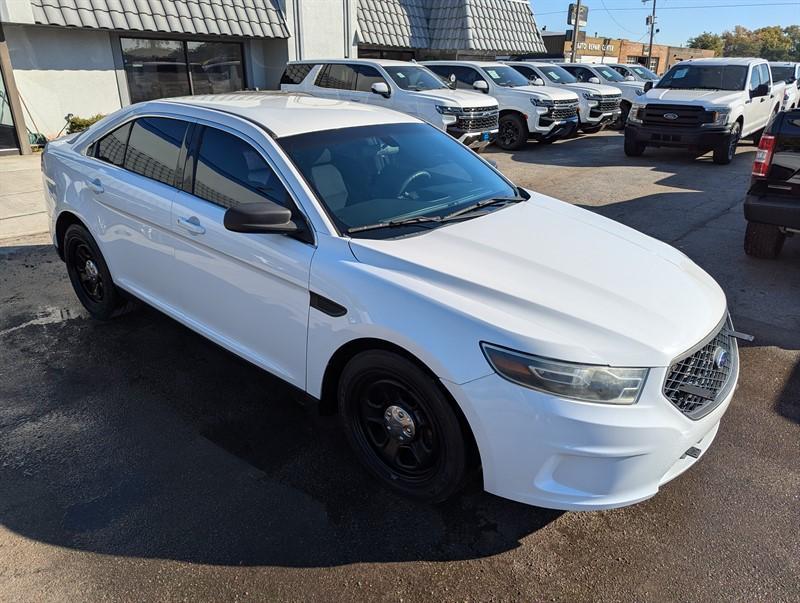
<point x="548" y="92"/>
<point x="593" y="88"/>
<point x="457" y="98"/>
<point x="626" y="84"/>
<point x="686" y="97"/>
<point x="553" y="279"/>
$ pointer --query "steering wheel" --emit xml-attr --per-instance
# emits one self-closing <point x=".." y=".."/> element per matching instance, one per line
<point x="407" y="182"/>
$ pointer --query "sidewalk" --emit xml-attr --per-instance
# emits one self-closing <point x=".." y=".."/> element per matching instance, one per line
<point x="22" y="210"/>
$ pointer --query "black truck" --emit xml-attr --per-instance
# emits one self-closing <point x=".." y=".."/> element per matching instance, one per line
<point x="772" y="206"/>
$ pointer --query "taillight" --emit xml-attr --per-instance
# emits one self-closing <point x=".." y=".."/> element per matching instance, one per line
<point x="764" y="155"/>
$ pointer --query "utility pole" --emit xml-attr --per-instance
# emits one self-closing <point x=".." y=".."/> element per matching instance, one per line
<point x="652" y="33"/>
<point x="575" y="30"/>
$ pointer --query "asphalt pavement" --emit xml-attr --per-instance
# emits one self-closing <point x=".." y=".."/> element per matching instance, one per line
<point x="140" y="462"/>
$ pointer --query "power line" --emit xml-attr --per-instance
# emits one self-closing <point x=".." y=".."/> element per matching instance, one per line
<point x="558" y="12"/>
<point x="615" y="21"/>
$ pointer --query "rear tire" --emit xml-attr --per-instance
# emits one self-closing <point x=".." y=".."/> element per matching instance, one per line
<point x="512" y="132"/>
<point x="402" y="426"/>
<point x="90" y="277"/>
<point x="634" y="148"/>
<point x="725" y="151"/>
<point x="763" y="241"/>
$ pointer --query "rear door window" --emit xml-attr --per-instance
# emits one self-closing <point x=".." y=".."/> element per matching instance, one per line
<point x="366" y="76"/>
<point x="338" y="76"/>
<point x="230" y="171"/>
<point x="154" y="146"/>
<point x="111" y="148"/>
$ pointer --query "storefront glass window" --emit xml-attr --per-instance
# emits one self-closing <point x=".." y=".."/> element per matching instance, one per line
<point x="8" y="135"/>
<point x="215" y="67"/>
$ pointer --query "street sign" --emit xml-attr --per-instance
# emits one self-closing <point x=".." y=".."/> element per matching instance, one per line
<point x="584" y="16"/>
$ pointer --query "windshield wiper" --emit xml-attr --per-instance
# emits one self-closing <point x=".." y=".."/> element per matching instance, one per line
<point x="394" y="223"/>
<point x="481" y="204"/>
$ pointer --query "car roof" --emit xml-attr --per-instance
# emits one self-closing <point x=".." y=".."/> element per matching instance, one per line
<point x="746" y="61"/>
<point x="466" y="63"/>
<point x="383" y="62"/>
<point x="289" y="113"/>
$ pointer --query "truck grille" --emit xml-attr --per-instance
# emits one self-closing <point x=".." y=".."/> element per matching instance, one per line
<point x="609" y="103"/>
<point x="697" y="383"/>
<point x="479" y="122"/>
<point x="680" y="116"/>
<point x="563" y="109"/>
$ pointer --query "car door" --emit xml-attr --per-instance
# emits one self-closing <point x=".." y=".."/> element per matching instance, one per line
<point x="529" y="72"/>
<point x="335" y="80"/>
<point x="756" y="108"/>
<point x="365" y="76"/>
<point x="247" y="292"/>
<point x="582" y="74"/>
<point x="131" y="179"/>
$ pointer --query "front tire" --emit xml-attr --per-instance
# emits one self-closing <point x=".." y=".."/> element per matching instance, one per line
<point x="725" y="151"/>
<point x="90" y="277"/>
<point x="763" y="241"/>
<point x="620" y="122"/>
<point x="512" y="132"/>
<point x="402" y="426"/>
<point x="634" y="148"/>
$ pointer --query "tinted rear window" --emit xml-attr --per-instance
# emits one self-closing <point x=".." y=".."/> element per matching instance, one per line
<point x="154" y="146"/>
<point x="342" y="77"/>
<point x="111" y="148"/>
<point x="295" y="74"/>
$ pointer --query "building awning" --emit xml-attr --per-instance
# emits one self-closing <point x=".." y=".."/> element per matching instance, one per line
<point x="485" y="26"/>
<point x="249" y="18"/>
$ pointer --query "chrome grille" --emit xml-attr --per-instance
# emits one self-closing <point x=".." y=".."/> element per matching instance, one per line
<point x="685" y="116"/>
<point x="609" y="103"/>
<point x="563" y="109"/>
<point x="697" y="383"/>
<point x="478" y="122"/>
<point x="470" y="110"/>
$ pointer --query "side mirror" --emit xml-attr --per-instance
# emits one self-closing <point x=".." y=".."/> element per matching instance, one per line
<point x="381" y="88"/>
<point x="760" y="90"/>
<point x="648" y="85"/>
<point x="594" y="80"/>
<point x="537" y="81"/>
<point x="481" y="85"/>
<point x="264" y="217"/>
<point x="630" y="78"/>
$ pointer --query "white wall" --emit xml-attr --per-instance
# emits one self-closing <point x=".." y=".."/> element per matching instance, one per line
<point x="266" y="60"/>
<point x="60" y="71"/>
<point x="326" y="28"/>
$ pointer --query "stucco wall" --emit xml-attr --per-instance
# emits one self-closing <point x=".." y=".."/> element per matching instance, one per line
<point x="60" y="71"/>
<point x="326" y="27"/>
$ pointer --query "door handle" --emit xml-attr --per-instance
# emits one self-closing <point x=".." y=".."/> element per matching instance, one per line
<point x="191" y="225"/>
<point x="95" y="185"/>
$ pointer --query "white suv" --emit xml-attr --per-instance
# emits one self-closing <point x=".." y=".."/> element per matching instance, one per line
<point x="603" y="74"/>
<point x="526" y="112"/>
<point x="410" y="88"/>
<point x="599" y="104"/>
<point x="453" y="319"/>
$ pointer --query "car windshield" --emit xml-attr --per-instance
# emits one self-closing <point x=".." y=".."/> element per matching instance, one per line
<point x="414" y="78"/>
<point x="376" y="174"/>
<point x="643" y="72"/>
<point x="785" y="74"/>
<point x="557" y="74"/>
<point x="505" y="76"/>
<point x="705" y="77"/>
<point x="609" y="74"/>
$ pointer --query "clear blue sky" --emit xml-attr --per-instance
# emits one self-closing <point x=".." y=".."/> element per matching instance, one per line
<point x="677" y="22"/>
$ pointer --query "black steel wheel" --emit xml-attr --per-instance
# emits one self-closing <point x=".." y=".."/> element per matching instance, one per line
<point x="89" y="275"/>
<point x="512" y="133"/>
<point x="726" y="150"/>
<point x="402" y="426"/>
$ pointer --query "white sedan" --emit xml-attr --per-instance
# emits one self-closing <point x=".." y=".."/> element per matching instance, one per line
<point x="453" y="319"/>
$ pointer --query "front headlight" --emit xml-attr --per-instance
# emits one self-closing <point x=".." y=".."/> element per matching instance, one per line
<point x="583" y="382"/>
<point x="541" y="102"/>
<point x="719" y="117"/>
<point x="592" y="97"/>
<point x="633" y="115"/>
<point x="445" y="110"/>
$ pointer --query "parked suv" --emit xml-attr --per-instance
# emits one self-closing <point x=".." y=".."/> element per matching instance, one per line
<point x="470" y="117"/>
<point x="705" y="104"/>
<point x="452" y="319"/>
<point x="599" y="104"/>
<point x="542" y="113"/>
<point x="789" y="73"/>
<point x="635" y="73"/>
<point x="772" y="206"/>
<point x="603" y="74"/>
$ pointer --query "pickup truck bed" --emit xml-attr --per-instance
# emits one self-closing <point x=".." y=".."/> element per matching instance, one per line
<point x="772" y="205"/>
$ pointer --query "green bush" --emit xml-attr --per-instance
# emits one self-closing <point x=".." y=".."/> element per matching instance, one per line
<point x="79" y="124"/>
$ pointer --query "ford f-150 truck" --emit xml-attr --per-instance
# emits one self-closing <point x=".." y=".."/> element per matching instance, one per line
<point x="772" y="206"/>
<point x="705" y="105"/>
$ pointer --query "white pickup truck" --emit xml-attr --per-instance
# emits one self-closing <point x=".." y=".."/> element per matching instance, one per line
<point x="789" y="73"/>
<point x="543" y="113"/>
<point x="705" y="105"/>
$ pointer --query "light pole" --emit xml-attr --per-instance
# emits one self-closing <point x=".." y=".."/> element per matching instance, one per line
<point x="652" y="20"/>
<point x="575" y="30"/>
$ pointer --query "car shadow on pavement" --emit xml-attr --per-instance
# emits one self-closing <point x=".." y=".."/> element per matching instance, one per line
<point x="139" y="438"/>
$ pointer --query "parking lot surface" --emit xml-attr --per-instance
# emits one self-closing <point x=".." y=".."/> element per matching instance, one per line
<point x="138" y="461"/>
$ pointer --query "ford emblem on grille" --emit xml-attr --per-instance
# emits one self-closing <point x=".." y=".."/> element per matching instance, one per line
<point x="722" y="358"/>
<point x="670" y="116"/>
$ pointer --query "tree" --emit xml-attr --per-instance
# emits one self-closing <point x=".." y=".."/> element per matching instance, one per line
<point x="708" y="41"/>
<point x="741" y="42"/>
<point x="775" y="44"/>
<point x="793" y="33"/>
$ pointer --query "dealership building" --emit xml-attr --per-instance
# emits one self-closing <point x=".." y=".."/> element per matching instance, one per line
<point x="87" y="57"/>
<point x="593" y="49"/>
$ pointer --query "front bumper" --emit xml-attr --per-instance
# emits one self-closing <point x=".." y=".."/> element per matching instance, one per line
<point x="554" y="129"/>
<point x="474" y="139"/>
<point x="594" y="117"/>
<point x="660" y="136"/>
<point x="546" y="451"/>
<point x="773" y="209"/>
